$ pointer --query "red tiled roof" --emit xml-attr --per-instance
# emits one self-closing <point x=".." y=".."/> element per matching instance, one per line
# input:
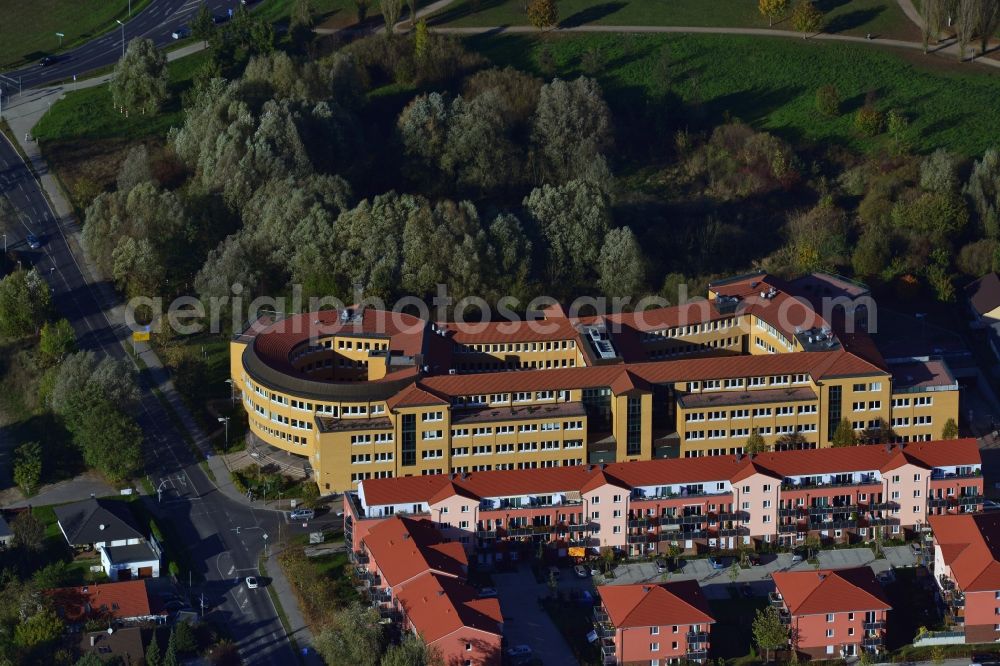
<point x="830" y="591"/>
<point x="780" y="464"/>
<point x="817" y="364"/>
<point x="127" y="599"/>
<point x="414" y="396"/>
<point x="274" y="343"/>
<point x="541" y="330"/>
<point x="403" y="548"/>
<point x="970" y="544"/>
<point x="679" y="602"/>
<point x="438" y="606"/>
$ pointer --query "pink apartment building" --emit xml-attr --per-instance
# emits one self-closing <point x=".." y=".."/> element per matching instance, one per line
<point x="832" y="614"/>
<point x="646" y="507"/>
<point x="653" y="624"/>
<point x="966" y="566"/>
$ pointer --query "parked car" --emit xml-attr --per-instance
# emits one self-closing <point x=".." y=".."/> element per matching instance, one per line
<point x="595" y="570"/>
<point x="47" y="60"/>
<point x="554" y="572"/>
<point x="984" y="660"/>
<point x="580" y="571"/>
<point x="252" y="583"/>
<point x="302" y="514"/>
<point x="754" y="559"/>
<point x="797" y="557"/>
<point x="990" y="505"/>
<point x="661" y="566"/>
<point x="487" y="593"/>
<point x="715" y="564"/>
<point x="181" y="32"/>
<point x="33" y="241"/>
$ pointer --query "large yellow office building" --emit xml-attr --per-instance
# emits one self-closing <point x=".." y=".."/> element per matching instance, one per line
<point x="370" y="394"/>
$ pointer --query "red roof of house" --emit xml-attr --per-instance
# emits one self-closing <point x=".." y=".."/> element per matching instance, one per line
<point x="124" y="600"/>
<point x="830" y="591"/>
<point x="414" y="396"/>
<point x="646" y="605"/>
<point x="438" y="606"/>
<point x="541" y="330"/>
<point x="581" y="478"/>
<point x="970" y="545"/>
<point x="816" y="364"/>
<point x="403" y="548"/>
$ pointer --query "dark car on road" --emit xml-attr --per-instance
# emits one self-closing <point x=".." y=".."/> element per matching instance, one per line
<point x="48" y="60"/>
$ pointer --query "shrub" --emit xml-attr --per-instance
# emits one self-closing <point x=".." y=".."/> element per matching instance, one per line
<point x="543" y="13"/>
<point x="828" y="100"/>
<point x="174" y="569"/>
<point x="869" y="121"/>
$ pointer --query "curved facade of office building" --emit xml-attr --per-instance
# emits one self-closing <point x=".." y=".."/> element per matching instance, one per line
<point x="364" y="393"/>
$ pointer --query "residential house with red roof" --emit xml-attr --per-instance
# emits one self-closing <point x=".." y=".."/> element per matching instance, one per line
<point x="966" y="566"/>
<point x="653" y="623"/>
<point x="417" y="577"/>
<point x="122" y="602"/>
<point x="838" y="494"/>
<point x="832" y="614"/>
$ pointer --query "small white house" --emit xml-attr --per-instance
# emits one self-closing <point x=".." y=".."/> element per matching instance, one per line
<point x="130" y="562"/>
<point x="107" y="526"/>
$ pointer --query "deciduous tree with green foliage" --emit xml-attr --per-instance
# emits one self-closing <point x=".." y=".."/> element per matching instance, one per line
<point x="139" y="82"/>
<point x="354" y="637"/>
<point x="28" y="531"/>
<point x="768" y="631"/>
<point x="543" y="14"/>
<point x="621" y="265"/>
<point x="807" y="18"/>
<point x="391" y="9"/>
<point x="25" y="302"/>
<point x="111" y="441"/>
<point x="28" y="467"/>
<point x="202" y="25"/>
<point x="772" y="9"/>
<point x="411" y="651"/>
<point x="57" y="340"/>
<point x="153" y="655"/>
<point x="950" y="430"/>
<point x="844" y="435"/>
<point x="570" y="131"/>
<point x="755" y="444"/>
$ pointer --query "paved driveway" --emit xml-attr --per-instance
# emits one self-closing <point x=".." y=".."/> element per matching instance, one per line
<point x="525" y="622"/>
<point x="845" y="558"/>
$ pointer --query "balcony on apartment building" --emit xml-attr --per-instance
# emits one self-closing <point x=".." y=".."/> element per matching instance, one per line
<point x="962" y="499"/>
<point x="873" y="626"/>
<point x="836" y="481"/>
<point x="775" y="599"/>
<point x="699" y="654"/>
<point x="368" y="578"/>
<point x="960" y="473"/>
<point x="731" y="515"/>
<point x="684" y="492"/>
<point x="379" y="596"/>
<point x="682" y="535"/>
<point x="697" y="637"/>
<point x="571" y="499"/>
<point x="359" y="557"/>
<point x="872" y="642"/>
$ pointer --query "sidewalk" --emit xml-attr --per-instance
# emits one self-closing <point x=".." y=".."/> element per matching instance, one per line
<point x="296" y="626"/>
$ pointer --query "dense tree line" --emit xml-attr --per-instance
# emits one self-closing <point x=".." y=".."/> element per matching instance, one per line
<point x="494" y="181"/>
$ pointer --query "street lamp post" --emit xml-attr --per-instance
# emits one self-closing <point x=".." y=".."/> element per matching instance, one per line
<point x="123" y="36"/>
<point x="4" y="243"/>
<point x="232" y="391"/>
<point x="225" y="419"/>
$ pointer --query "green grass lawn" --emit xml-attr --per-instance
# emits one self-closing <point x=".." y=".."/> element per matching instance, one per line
<point x="30" y="27"/>
<point x="327" y="13"/>
<point x="855" y="17"/>
<point x="88" y="113"/>
<point x="771" y="83"/>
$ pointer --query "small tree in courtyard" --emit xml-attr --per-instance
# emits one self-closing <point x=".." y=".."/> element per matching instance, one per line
<point x="844" y="434"/>
<point x="950" y="430"/>
<point x="768" y="631"/>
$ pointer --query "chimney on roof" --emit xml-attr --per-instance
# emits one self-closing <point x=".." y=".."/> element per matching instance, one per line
<point x="406" y="535"/>
<point x="822" y="576"/>
<point x="590" y="467"/>
<point x="739" y="456"/>
<point x="888" y="447"/>
<point x="646" y="588"/>
<point x="464" y="476"/>
<point x="604" y="465"/>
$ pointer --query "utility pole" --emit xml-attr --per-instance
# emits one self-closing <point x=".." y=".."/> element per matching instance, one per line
<point x="203" y="605"/>
<point x="225" y="419"/>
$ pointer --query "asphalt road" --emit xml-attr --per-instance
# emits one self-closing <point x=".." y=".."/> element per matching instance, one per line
<point x="157" y="21"/>
<point x="223" y="538"/>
